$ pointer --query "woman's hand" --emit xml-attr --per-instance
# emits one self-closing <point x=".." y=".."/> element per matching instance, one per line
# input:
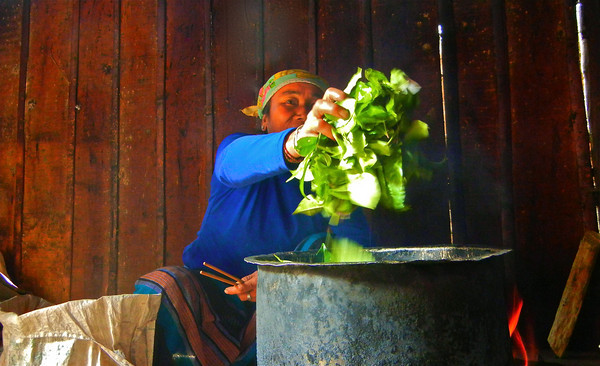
<point x="314" y="123"/>
<point x="245" y="290"/>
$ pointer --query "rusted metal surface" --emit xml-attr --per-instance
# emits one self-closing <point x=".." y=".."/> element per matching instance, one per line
<point x="411" y="306"/>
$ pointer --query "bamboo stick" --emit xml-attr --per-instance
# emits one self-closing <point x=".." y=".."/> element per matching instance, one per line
<point x="222" y="272"/>
<point x="225" y="280"/>
<point x="574" y="292"/>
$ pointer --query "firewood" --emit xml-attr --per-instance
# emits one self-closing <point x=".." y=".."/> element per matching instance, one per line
<point x="574" y="292"/>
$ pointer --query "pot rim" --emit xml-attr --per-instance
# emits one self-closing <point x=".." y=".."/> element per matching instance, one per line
<point x="422" y="254"/>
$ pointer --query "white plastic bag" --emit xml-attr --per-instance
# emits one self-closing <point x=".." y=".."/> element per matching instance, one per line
<point x="112" y="330"/>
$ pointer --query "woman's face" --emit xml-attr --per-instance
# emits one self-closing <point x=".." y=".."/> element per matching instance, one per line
<point x="290" y="106"/>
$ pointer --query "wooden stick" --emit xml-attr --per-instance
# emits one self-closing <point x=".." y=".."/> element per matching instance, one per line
<point x="574" y="292"/>
<point x="222" y="272"/>
<point x="225" y="280"/>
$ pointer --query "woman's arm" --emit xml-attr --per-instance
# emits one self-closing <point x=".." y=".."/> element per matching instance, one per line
<point x="247" y="159"/>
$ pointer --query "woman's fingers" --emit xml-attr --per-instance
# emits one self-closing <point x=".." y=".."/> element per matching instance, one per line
<point x="327" y="104"/>
<point x="246" y="289"/>
<point x="323" y="107"/>
<point x="250" y="281"/>
<point x="335" y="95"/>
<point x="315" y="124"/>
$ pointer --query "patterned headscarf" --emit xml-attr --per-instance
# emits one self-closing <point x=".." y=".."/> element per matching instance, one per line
<point x="278" y="81"/>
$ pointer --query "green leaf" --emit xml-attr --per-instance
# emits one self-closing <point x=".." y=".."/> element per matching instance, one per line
<point x="417" y="131"/>
<point x="364" y="190"/>
<point x="281" y="260"/>
<point x="306" y="145"/>
<point x="402" y="83"/>
<point x="380" y="147"/>
<point x="353" y="80"/>
<point x="323" y="255"/>
<point x="347" y="251"/>
<point x="308" y="206"/>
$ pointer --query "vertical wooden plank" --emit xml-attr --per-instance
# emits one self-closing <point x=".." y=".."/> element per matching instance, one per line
<point x="449" y="79"/>
<point x="504" y="139"/>
<point x="591" y="32"/>
<point x="590" y="48"/>
<point x="96" y="142"/>
<point x="586" y="334"/>
<point x="49" y="135"/>
<point x="189" y="126"/>
<point x="478" y="106"/>
<point x="11" y="132"/>
<point x="454" y="190"/>
<point x="237" y="64"/>
<point x="343" y="39"/>
<point x="141" y="194"/>
<point x="405" y="36"/>
<point x="579" y="130"/>
<point x="546" y="118"/>
<point x="286" y="35"/>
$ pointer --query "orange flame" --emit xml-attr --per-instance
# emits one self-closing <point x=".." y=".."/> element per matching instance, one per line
<point x="513" y="318"/>
<point x="518" y="349"/>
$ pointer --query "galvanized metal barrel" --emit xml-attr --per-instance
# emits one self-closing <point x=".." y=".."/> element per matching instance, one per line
<point x="410" y="306"/>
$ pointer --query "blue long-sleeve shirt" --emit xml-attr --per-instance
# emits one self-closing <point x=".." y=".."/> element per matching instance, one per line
<point x="250" y="207"/>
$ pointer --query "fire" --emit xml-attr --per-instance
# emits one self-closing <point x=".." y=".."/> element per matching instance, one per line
<point x="513" y="317"/>
<point x="518" y="346"/>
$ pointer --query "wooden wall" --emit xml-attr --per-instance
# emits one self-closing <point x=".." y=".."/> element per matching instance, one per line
<point x="110" y="113"/>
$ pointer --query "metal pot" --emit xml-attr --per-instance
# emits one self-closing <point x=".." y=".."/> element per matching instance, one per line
<point x="411" y="306"/>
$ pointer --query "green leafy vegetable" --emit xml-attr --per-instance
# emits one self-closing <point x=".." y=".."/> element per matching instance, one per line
<point x="343" y="251"/>
<point x="281" y="260"/>
<point x="374" y="153"/>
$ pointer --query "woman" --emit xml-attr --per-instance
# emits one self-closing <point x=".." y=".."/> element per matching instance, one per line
<point x="249" y="212"/>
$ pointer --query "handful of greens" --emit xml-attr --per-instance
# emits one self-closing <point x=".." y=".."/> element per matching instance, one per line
<point x="373" y="154"/>
<point x="343" y="250"/>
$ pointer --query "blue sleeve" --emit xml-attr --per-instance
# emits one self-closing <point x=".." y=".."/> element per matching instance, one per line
<point x="246" y="159"/>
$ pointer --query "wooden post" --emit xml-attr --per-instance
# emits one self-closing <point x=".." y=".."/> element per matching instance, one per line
<point x="574" y="292"/>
